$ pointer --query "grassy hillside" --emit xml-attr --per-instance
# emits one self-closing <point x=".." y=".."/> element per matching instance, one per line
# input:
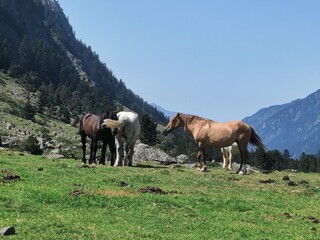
<point x="12" y="100"/>
<point x="57" y="199"/>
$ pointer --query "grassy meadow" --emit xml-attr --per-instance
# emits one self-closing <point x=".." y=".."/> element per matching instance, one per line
<point x="59" y="199"/>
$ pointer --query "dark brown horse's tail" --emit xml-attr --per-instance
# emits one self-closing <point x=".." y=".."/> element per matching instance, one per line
<point x="256" y="140"/>
<point x="81" y="125"/>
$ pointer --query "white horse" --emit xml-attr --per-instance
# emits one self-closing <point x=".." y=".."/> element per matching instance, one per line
<point x="128" y="131"/>
<point x="227" y="156"/>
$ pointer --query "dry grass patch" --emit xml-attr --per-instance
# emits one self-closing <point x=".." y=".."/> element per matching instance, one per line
<point x="116" y="193"/>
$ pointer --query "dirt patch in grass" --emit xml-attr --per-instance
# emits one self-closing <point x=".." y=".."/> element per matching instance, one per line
<point x="76" y="193"/>
<point x="11" y="176"/>
<point x="116" y="193"/>
<point x="155" y="190"/>
<point x="267" y="181"/>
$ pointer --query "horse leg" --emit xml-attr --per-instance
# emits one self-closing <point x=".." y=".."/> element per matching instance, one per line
<point x="201" y="159"/>
<point x="91" y="152"/>
<point x="125" y="161"/>
<point x="94" y="147"/>
<point x="112" y="148"/>
<point x="199" y="163"/>
<point x="130" y="154"/>
<point x="204" y="168"/>
<point x="119" y="157"/>
<point x="244" y="157"/>
<point x="225" y="157"/>
<point x="230" y="158"/>
<point x="83" y="141"/>
<point x="103" y="153"/>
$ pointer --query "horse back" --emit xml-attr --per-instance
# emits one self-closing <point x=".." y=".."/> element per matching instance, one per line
<point x="131" y="128"/>
<point x="90" y="124"/>
<point x="222" y="134"/>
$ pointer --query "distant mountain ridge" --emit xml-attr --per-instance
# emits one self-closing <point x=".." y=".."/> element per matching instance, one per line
<point x="166" y="112"/>
<point x="294" y="126"/>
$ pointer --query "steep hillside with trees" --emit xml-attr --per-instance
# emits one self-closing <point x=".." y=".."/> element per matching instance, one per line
<point x="38" y="47"/>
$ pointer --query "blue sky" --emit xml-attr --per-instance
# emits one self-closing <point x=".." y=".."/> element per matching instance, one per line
<point x="223" y="60"/>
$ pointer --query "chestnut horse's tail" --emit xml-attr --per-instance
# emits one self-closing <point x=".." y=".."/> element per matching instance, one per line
<point x="113" y="123"/>
<point x="256" y="140"/>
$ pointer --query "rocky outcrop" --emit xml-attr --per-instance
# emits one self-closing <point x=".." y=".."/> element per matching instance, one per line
<point x="144" y="152"/>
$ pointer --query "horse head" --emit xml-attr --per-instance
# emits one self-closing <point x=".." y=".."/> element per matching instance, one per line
<point x="175" y="122"/>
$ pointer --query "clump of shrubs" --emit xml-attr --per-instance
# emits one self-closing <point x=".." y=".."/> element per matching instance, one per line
<point x="32" y="145"/>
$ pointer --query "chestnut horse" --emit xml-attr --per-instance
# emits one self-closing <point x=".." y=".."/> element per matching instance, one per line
<point x="217" y="134"/>
<point x="91" y="126"/>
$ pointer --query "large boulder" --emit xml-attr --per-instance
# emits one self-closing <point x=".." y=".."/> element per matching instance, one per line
<point x="144" y="152"/>
<point x="182" y="159"/>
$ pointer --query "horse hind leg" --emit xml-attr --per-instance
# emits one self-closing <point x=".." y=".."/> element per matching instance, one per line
<point x="119" y="157"/>
<point x="244" y="157"/>
<point x="93" y="151"/>
<point x="103" y="153"/>
<point x="83" y="142"/>
<point x="130" y="154"/>
<point x="127" y="156"/>
<point x="225" y="157"/>
<point x="230" y="159"/>
<point x="112" y="148"/>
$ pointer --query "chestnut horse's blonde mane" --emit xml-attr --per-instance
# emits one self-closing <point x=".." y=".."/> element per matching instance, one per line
<point x="189" y="118"/>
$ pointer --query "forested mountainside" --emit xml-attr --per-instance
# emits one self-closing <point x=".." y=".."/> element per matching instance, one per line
<point x="38" y="47"/>
<point x="294" y="126"/>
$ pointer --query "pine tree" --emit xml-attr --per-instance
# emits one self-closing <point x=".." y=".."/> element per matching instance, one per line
<point x="28" y="111"/>
<point x="42" y="98"/>
<point x="148" y="130"/>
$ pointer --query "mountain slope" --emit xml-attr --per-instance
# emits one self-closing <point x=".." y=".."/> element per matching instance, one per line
<point x="294" y="126"/>
<point x="38" y="46"/>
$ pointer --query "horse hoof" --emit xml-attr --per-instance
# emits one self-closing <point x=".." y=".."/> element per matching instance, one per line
<point x="203" y="169"/>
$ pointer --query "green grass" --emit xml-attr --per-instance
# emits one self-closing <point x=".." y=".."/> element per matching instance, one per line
<point x="212" y="205"/>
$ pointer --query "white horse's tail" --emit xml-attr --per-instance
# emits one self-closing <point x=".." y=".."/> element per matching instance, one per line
<point x="113" y="123"/>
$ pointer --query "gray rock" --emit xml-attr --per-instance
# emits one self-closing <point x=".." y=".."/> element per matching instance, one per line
<point x="10" y="126"/>
<point x="55" y="156"/>
<point x="144" y="152"/>
<point x="182" y="159"/>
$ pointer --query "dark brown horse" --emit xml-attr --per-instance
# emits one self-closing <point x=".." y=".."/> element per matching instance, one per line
<point x="208" y="133"/>
<point x="91" y="126"/>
